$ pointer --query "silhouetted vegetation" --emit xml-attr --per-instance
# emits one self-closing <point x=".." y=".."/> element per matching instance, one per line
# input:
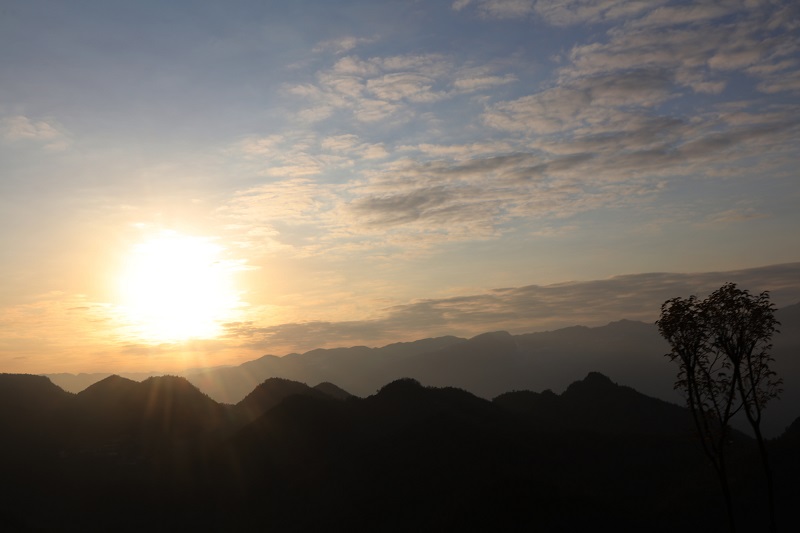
<point x="160" y="455"/>
<point x="722" y="345"/>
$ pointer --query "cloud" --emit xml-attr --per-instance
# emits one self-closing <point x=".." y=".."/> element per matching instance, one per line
<point x="560" y="12"/>
<point x="506" y="8"/>
<point x="378" y="88"/>
<point x="734" y="215"/>
<point x="464" y="200"/>
<point x="403" y="86"/>
<point x="351" y="145"/>
<point x="342" y="45"/>
<point x="571" y="12"/>
<point x="696" y="54"/>
<point x="306" y="336"/>
<point x="458" y="152"/>
<point x="20" y="128"/>
<point x="264" y="218"/>
<point x="289" y="155"/>
<point x="404" y="208"/>
<point x="261" y="146"/>
<point x="614" y="126"/>
<point x="474" y="82"/>
<point x="698" y="13"/>
<point x="520" y="309"/>
<point x="784" y="82"/>
<point x="370" y="110"/>
<point x="411" y="198"/>
<point x="587" y="102"/>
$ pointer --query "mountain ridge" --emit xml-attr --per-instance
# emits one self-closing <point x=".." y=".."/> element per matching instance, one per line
<point x="169" y="457"/>
<point x="495" y="362"/>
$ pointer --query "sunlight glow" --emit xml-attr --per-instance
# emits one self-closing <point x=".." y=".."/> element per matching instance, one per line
<point x="176" y="287"/>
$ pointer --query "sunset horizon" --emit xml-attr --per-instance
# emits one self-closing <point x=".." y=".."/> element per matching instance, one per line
<point x="202" y="183"/>
<point x="407" y="265"/>
<point x="518" y="310"/>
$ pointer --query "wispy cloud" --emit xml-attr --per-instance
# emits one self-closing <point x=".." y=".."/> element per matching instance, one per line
<point x="560" y="12"/>
<point x="698" y="55"/>
<point x="351" y="145"/>
<point x="602" y="132"/>
<point x="520" y="309"/>
<point x="377" y="88"/>
<point x="47" y="133"/>
<point x="734" y="215"/>
<point x="342" y="45"/>
<point x="589" y="156"/>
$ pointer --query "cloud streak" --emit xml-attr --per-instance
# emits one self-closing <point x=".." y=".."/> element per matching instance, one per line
<point x="519" y="309"/>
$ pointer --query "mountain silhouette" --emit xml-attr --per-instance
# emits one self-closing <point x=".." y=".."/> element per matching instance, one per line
<point x="358" y="369"/>
<point x="598" y="404"/>
<point x="78" y="382"/>
<point x="26" y="399"/>
<point x="332" y="390"/>
<point x="271" y="393"/>
<point x="165" y="456"/>
<point x="31" y="410"/>
<point x="494" y="363"/>
<point x="411" y="451"/>
<point x="166" y="404"/>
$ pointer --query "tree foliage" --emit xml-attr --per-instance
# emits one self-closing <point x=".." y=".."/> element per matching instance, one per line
<point x="722" y="345"/>
<point x="741" y="327"/>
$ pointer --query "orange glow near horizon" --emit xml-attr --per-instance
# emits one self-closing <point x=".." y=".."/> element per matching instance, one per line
<point x="176" y="287"/>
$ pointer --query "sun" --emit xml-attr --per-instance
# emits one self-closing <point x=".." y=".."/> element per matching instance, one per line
<point x="176" y="287"/>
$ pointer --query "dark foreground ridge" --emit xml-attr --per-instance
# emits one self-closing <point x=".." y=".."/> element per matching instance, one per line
<point x="161" y="455"/>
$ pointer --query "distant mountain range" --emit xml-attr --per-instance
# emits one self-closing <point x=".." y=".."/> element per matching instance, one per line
<point x="159" y="455"/>
<point x="493" y="363"/>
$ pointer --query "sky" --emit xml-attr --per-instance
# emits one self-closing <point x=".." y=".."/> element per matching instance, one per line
<point x="197" y="183"/>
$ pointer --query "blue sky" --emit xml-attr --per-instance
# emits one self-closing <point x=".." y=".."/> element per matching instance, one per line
<point x="375" y="171"/>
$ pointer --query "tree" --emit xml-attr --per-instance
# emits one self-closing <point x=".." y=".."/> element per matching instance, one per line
<point x="741" y="327"/>
<point x="703" y="380"/>
<point x="722" y="347"/>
